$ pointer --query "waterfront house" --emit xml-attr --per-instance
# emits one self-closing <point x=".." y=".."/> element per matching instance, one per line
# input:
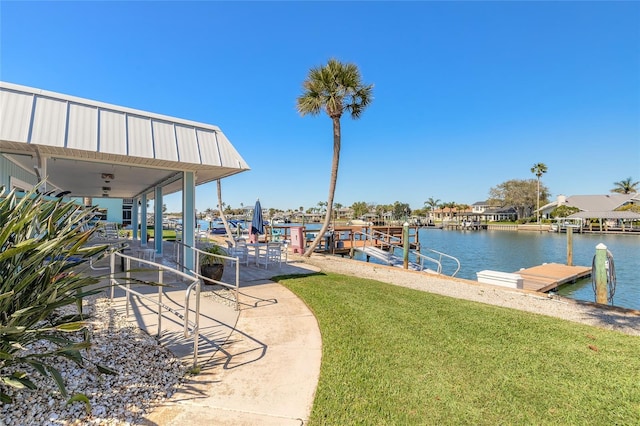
<point x="487" y="213"/>
<point x="592" y="203"/>
<point x="607" y="210"/>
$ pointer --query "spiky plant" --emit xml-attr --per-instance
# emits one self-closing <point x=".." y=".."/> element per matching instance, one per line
<point x="42" y="248"/>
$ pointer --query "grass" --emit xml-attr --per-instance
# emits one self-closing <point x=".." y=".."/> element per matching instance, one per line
<point x="393" y="355"/>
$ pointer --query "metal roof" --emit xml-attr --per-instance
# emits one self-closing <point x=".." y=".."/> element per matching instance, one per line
<point x="605" y="215"/>
<point x="83" y="141"/>
<point x="599" y="202"/>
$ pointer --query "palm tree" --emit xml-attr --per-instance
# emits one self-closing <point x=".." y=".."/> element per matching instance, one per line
<point x="538" y="169"/>
<point x="334" y="88"/>
<point x="432" y="203"/>
<point x="625" y="186"/>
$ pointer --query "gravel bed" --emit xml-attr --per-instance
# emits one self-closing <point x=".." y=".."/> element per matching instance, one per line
<point x="147" y="374"/>
<point x="623" y="320"/>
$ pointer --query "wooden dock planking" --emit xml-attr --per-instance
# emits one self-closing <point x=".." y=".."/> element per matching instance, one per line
<point x="549" y="276"/>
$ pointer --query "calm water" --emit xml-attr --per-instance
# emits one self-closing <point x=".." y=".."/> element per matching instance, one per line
<point x="509" y="251"/>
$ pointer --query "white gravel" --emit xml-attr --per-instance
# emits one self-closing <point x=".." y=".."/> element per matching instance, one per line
<point x="625" y="321"/>
<point x="147" y="374"/>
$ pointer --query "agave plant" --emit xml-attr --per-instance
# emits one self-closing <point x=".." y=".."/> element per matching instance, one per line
<point x="42" y="246"/>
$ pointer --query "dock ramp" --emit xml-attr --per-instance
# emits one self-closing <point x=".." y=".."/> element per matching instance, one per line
<point x="387" y="257"/>
<point x="385" y="248"/>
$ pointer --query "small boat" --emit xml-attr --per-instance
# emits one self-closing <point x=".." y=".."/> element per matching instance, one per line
<point x="218" y="228"/>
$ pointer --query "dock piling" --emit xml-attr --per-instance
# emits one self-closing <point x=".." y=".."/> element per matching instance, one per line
<point x="601" y="273"/>
<point x="569" y="246"/>
<point x="405" y="240"/>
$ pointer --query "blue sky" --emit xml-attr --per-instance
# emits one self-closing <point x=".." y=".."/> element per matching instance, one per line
<point x="467" y="95"/>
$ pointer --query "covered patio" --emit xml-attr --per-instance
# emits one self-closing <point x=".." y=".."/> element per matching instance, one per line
<point x="608" y="221"/>
<point x="90" y="149"/>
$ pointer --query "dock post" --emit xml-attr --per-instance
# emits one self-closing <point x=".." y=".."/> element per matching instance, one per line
<point x="601" y="273"/>
<point x="405" y="241"/>
<point x="569" y="246"/>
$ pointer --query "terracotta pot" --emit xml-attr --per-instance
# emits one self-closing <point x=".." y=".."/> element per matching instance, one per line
<point x="213" y="272"/>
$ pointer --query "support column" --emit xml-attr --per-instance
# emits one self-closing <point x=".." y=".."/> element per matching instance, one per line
<point x="135" y="223"/>
<point x="157" y="227"/>
<point x="188" y="218"/>
<point x="143" y="221"/>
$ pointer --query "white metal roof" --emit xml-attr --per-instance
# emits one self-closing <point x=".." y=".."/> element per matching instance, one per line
<point x="593" y="202"/>
<point x="84" y="139"/>
<point x="610" y="214"/>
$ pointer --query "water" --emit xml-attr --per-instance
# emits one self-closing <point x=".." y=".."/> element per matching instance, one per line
<point x="509" y="251"/>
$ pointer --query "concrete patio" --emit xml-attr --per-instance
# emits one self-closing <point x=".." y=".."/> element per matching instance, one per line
<point x="258" y="365"/>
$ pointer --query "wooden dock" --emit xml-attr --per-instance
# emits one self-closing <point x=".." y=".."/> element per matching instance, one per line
<point x="549" y="276"/>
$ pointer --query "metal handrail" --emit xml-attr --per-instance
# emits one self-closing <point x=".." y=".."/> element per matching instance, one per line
<point x="198" y="252"/>
<point x="195" y="284"/>
<point x="447" y="256"/>
<point x="422" y="257"/>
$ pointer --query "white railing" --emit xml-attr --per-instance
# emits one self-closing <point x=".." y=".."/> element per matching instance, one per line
<point x="392" y="243"/>
<point x="439" y="261"/>
<point x="198" y="253"/>
<point x="191" y="328"/>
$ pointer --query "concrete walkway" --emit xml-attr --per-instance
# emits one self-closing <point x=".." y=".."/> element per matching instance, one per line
<point x="259" y="365"/>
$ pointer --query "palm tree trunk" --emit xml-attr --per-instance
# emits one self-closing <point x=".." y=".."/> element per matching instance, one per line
<point x="332" y="186"/>
<point x="222" y="216"/>
<point x="538" y="206"/>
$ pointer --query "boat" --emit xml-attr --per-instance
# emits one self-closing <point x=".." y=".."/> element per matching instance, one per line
<point x="235" y="226"/>
<point x="563" y="223"/>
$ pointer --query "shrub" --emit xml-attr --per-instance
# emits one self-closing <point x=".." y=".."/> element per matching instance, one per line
<point x="42" y="245"/>
<point x="212" y="260"/>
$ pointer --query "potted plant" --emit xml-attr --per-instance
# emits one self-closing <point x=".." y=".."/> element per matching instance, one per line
<point x="212" y="267"/>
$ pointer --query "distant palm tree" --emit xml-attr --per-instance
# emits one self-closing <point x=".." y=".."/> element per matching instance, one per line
<point x="334" y="88"/>
<point x="625" y="186"/>
<point x="538" y="169"/>
<point x="432" y="203"/>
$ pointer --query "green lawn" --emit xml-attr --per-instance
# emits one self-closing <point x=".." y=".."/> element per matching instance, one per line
<point x="393" y="355"/>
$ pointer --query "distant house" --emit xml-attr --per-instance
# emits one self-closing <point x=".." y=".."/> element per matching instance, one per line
<point x="602" y="209"/>
<point x="592" y="203"/>
<point x="487" y="213"/>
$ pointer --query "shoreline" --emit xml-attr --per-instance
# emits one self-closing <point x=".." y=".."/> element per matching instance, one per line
<point x="624" y="320"/>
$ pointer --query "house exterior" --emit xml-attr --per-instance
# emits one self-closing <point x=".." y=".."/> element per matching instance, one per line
<point x="485" y="212"/>
<point x="592" y="203"/>
<point x="602" y="212"/>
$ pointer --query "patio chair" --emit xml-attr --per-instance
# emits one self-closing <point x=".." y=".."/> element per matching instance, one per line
<point x="240" y="250"/>
<point x="177" y="246"/>
<point x="274" y="254"/>
<point x="111" y="231"/>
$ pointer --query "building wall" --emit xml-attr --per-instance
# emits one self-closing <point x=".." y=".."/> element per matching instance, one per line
<point x="9" y="172"/>
<point x="111" y="206"/>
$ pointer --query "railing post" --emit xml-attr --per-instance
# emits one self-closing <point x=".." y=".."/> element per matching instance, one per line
<point x="112" y="265"/>
<point x="196" y="334"/>
<point x="160" y="280"/>
<point x="238" y="283"/>
<point x="600" y="272"/>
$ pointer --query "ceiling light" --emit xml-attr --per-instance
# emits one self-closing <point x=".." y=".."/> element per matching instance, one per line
<point x="106" y="188"/>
